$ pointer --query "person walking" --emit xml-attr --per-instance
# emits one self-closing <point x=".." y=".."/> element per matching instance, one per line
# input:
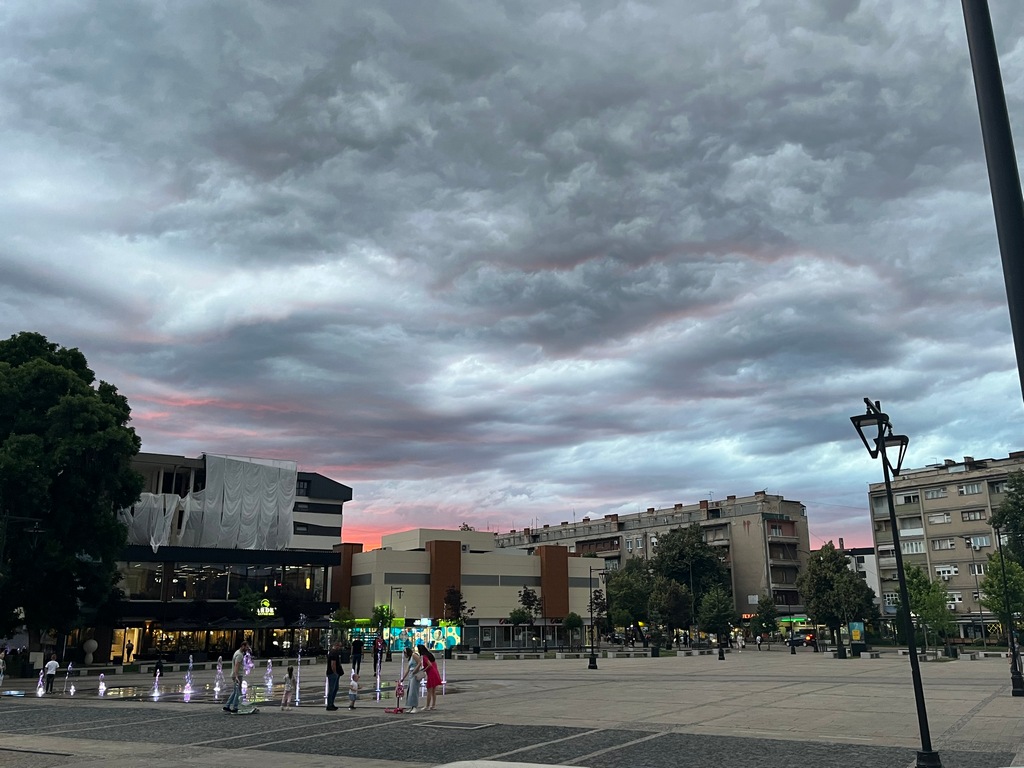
<point x="289" y="688"/>
<point x="413" y="667"/>
<point x="433" y="677"/>
<point x="759" y="639"/>
<point x="51" y="668"/>
<point x="3" y="666"/>
<point x="357" y="654"/>
<point x="237" y="673"/>
<point x="129" y="649"/>
<point x="334" y="671"/>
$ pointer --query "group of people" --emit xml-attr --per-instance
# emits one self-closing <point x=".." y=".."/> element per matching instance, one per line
<point x="420" y="663"/>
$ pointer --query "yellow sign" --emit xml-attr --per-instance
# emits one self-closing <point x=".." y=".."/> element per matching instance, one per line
<point x="265" y="608"/>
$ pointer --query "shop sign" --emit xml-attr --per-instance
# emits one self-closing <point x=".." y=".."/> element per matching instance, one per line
<point x="265" y="609"/>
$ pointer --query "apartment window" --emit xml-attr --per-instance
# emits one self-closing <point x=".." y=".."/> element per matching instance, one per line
<point x="938" y="544"/>
<point x="969" y="515"/>
<point x="976" y="569"/>
<point x="939" y="518"/>
<point x="639" y="543"/>
<point x="302" y="487"/>
<point x="912" y="547"/>
<point x="908" y="498"/>
<point x="882" y="526"/>
<point x="910" y="523"/>
<point x="887" y="551"/>
<point x="954" y="597"/>
<point x="968" y="489"/>
<point x="935" y="493"/>
<point x="950" y="569"/>
<point x="891" y="598"/>
<point x="775" y="530"/>
<point x="629" y="545"/>
<point x="981" y="541"/>
<point x="879" y="504"/>
<point x="997" y="486"/>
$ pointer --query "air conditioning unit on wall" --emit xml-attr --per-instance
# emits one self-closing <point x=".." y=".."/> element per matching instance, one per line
<point x="945" y="577"/>
<point x="465" y="548"/>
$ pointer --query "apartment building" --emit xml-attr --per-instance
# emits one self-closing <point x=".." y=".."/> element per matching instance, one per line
<point x="943" y="512"/>
<point x="864" y="562"/>
<point x="763" y="540"/>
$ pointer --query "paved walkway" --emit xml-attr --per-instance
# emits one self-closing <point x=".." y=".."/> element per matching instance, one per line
<point x="755" y="709"/>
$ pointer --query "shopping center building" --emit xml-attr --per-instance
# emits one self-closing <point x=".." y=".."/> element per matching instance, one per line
<point x="207" y="529"/>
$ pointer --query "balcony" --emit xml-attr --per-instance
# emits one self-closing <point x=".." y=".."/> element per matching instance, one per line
<point x="906" y="533"/>
<point x="784" y="537"/>
<point x="887" y="562"/>
<point x="722" y="541"/>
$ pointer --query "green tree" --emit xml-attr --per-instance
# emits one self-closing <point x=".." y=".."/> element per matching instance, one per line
<point x="531" y="603"/>
<point x="598" y="608"/>
<point x="1009" y="517"/>
<point x="65" y="469"/>
<point x="455" y="609"/>
<point x="834" y="594"/>
<point x="684" y="557"/>
<point x="518" y="617"/>
<point x="767" y="617"/>
<point x="717" y="614"/>
<point x="629" y="589"/>
<point x="670" y="600"/>
<point x="928" y="604"/>
<point x="572" y="624"/>
<point x="248" y="603"/>
<point x="342" y="621"/>
<point x="994" y="590"/>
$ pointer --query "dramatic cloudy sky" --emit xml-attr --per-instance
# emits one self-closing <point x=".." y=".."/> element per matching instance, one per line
<point x="506" y="262"/>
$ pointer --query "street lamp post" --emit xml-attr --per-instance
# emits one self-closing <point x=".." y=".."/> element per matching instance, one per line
<point x="977" y="587"/>
<point x="391" y="615"/>
<point x="877" y="445"/>
<point x="592" y="664"/>
<point x="1016" y="678"/>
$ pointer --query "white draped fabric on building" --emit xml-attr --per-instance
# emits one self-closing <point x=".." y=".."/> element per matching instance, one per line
<point x="246" y="504"/>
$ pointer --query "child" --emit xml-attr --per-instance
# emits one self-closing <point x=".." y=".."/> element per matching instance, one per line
<point x="353" y="689"/>
<point x="289" y="688"/>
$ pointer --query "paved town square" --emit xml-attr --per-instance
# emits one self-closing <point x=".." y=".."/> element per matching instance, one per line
<point x="754" y="709"/>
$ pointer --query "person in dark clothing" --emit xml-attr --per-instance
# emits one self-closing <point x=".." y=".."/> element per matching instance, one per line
<point x="334" y="672"/>
<point x="357" y="654"/>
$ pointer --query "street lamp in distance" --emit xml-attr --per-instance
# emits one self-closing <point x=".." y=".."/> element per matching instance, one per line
<point x="1016" y="677"/>
<point x="969" y="541"/>
<point x="391" y="614"/>
<point x="592" y="664"/>
<point x="876" y="433"/>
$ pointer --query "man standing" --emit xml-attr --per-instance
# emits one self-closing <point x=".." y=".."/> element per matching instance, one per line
<point x="129" y="649"/>
<point x="357" y="653"/>
<point x="51" y="672"/>
<point x="237" y="670"/>
<point x="333" y="675"/>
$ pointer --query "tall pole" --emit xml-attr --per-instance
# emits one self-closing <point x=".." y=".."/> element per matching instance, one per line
<point x="593" y="654"/>
<point x="1003" y="178"/>
<point x="1016" y="677"/>
<point x="926" y="756"/>
<point x="977" y="588"/>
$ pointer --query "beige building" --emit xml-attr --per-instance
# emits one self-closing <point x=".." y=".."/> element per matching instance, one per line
<point x="763" y="539"/>
<point x="413" y="570"/>
<point x="939" y="507"/>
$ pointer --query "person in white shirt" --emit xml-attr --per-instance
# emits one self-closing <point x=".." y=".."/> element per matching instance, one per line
<point x="51" y="671"/>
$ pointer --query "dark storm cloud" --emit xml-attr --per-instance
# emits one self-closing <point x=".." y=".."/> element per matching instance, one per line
<point x="496" y="262"/>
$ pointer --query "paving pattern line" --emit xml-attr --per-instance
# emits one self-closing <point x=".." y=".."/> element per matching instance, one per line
<point x="540" y="744"/>
<point x="616" y="748"/>
<point x="969" y="715"/>
<point x="105" y="723"/>
<point x="320" y="734"/>
<point x="293" y="727"/>
<point x="25" y="751"/>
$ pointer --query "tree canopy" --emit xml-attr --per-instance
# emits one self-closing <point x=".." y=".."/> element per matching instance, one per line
<point x="629" y="589"/>
<point x="455" y="608"/>
<point x="928" y="602"/>
<point x="65" y="469"/>
<point x="685" y="558"/>
<point x="1009" y="517"/>
<point x="833" y="593"/>
<point x="993" y="585"/>
<point x="717" y="612"/>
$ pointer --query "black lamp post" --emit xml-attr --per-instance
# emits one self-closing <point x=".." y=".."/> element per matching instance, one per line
<point x="592" y="664"/>
<point x="878" y="444"/>
<point x="969" y="540"/>
<point x="391" y="618"/>
<point x="1016" y="678"/>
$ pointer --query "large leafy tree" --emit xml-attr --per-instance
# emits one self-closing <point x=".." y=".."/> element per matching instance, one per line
<point x="767" y="617"/>
<point x="928" y="603"/>
<point x="670" y="601"/>
<point x="629" y="590"/>
<point x="1009" y="517"/>
<point x="717" y="614"/>
<point x="995" y="589"/>
<point x="455" y="608"/>
<point x="531" y="603"/>
<point x="65" y="469"/>
<point x="834" y="594"/>
<point x="684" y="557"/>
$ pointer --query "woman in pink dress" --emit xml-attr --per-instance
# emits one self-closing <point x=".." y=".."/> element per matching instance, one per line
<point x="433" y="676"/>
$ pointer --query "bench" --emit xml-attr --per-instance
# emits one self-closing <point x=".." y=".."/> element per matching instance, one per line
<point x="969" y="655"/>
<point x="464" y="656"/>
<point x="684" y="653"/>
<point x="634" y="654"/>
<point x="706" y="652"/>
<point x="993" y="654"/>
<point x="870" y="655"/>
<point x="570" y="655"/>
<point x="517" y="655"/>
